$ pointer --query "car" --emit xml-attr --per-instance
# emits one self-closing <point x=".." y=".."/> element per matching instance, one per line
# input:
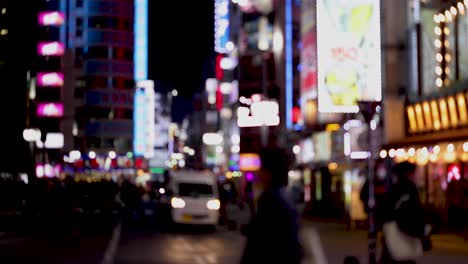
<point x="194" y="198"/>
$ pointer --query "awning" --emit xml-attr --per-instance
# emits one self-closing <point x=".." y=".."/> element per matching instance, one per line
<point x="430" y="139"/>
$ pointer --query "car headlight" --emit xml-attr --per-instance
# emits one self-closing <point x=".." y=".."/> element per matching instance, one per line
<point x="177" y="202"/>
<point x="213" y="204"/>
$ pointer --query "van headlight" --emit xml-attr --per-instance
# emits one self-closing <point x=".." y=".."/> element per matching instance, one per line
<point x="213" y="204"/>
<point x="177" y="202"/>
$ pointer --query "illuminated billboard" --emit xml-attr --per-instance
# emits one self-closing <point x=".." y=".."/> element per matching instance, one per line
<point x="249" y="162"/>
<point x="49" y="18"/>
<point x="54" y="48"/>
<point x="308" y="52"/>
<point x="144" y="119"/>
<point x="348" y="44"/>
<point x="50" y="109"/>
<point x="222" y="26"/>
<point x="50" y="79"/>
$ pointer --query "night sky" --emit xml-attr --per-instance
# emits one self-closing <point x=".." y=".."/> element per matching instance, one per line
<point x="181" y="48"/>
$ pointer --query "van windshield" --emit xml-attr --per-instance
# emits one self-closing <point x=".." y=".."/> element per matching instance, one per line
<point x="195" y="189"/>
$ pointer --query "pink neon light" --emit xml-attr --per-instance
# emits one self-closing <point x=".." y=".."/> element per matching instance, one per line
<point x="51" y="18"/>
<point x="51" y="79"/>
<point x="50" y="109"/>
<point x="50" y="48"/>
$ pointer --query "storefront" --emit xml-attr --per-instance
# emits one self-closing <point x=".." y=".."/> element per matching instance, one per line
<point x="437" y="141"/>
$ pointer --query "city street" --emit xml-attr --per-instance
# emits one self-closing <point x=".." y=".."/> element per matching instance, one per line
<point x="323" y="243"/>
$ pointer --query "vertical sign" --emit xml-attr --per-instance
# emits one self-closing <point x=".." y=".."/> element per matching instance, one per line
<point x="222" y="26"/>
<point x="288" y="28"/>
<point x="144" y="118"/>
<point x="308" y="53"/>
<point x="140" y="55"/>
<point x="349" y="66"/>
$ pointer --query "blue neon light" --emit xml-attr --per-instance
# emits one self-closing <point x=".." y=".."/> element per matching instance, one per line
<point x="289" y="62"/>
<point x="140" y="54"/>
<point x="139" y="119"/>
<point x="222" y="25"/>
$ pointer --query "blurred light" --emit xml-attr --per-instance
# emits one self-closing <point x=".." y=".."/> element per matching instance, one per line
<point x="54" y="141"/>
<point x="436" y="19"/>
<point x="50" y="79"/>
<point x="235" y="149"/>
<point x="278" y="41"/>
<point x="191" y="152"/>
<point x="453" y="10"/>
<point x="436" y="149"/>
<point x="256" y="98"/>
<point x="181" y="163"/>
<point x="75" y="155"/>
<point x="235" y="139"/>
<point x="411" y="152"/>
<point x="50" y="48"/>
<point x="347" y="143"/>
<point x="448" y="58"/>
<point x="66" y="159"/>
<point x="392" y="153"/>
<point x="465" y="146"/>
<point x="219" y="149"/>
<point x="359" y="155"/>
<point x="437" y="31"/>
<point x="373" y="125"/>
<point x="439" y="82"/>
<point x="450" y="147"/>
<point x="177" y="156"/>
<point x="439" y="57"/>
<point x="50" y="109"/>
<point x="174" y="92"/>
<point x="212" y="139"/>
<point x="75" y="129"/>
<point x="332" y="166"/>
<point x="112" y="154"/>
<point x="446" y="31"/>
<point x="213" y="204"/>
<point x="296" y="149"/>
<point x="225" y="87"/>
<point x="226" y="113"/>
<point x="162" y="191"/>
<point x="332" y="127"/>
<point x="230" y="46"/>
<point x="438" y="43"/>
<point x="400" y="153"/>
<point x="441" y="17"/>
<point x="177" y="202"/>
<point x="438" y="70"/>
<point x="448" y="16"/>
<point x="129" y="154"/>
<point x="92" y="155"/>
<point x="227" y="63"/>
<point x="31" y="134"/>
<point x="461" y="8"/>
<point x="51" y="18"/>
<point x="383" y="154"/>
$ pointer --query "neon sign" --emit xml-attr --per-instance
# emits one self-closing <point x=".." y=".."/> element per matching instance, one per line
<point x="50" y="79"/>
<point x="50" y="109"/>
<point x="222" y="26"/>
<point x="50" y="48"/>
<point x="51" y="18"/>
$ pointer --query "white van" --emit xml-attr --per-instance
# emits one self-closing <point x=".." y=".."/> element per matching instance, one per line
<point x="195" y="197"/>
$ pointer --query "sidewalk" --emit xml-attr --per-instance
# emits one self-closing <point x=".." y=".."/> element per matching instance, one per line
<point x="330" y="243"/>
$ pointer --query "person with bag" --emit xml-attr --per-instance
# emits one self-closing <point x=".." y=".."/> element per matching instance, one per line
<point x="404" y="229"/>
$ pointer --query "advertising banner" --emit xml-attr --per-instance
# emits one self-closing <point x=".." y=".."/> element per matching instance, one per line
<point x="309" y="51"/>
<point x="222" y="26"/>
<point x="349" y="64"/>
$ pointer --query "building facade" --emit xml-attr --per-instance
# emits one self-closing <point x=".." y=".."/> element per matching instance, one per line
<point x="99" y="76"/>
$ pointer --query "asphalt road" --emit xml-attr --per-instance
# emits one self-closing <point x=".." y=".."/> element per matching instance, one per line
<point x="179" y="245"/>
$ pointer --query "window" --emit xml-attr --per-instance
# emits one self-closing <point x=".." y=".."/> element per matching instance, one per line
<point x="79" y="22"/>
<point x="102" y="22"/>
<point x="195" y="190"/>
<point x="98" y="53"/>
<point x="79" y="3"/>
<point x="79" y="33"/>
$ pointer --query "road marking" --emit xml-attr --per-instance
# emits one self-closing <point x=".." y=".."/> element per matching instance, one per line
<point x="111" y="249"/>
<point x="317" y="249"/>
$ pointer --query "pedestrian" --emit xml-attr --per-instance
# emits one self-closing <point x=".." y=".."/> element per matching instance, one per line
<point x="404" y="227"/>
<point x="273" y="235"/>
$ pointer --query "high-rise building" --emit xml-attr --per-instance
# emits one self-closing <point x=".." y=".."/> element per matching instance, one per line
<point x="17" y="50"/>
<point x="99" y="72"/>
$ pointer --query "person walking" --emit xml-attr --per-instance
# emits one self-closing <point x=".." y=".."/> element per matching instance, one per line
<point x="273" y="235"/>
<point x="404" y="225"/>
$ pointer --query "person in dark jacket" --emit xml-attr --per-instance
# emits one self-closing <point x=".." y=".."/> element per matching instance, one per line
<point x="404" y="207"/>
<point x="273" y="235"/>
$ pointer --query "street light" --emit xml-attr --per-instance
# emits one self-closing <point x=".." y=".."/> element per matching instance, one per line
<point x="368" y="110"/>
